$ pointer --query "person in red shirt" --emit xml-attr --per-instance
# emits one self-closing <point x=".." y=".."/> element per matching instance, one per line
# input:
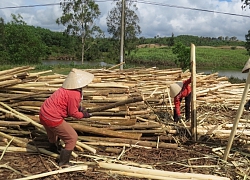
<point x="178" y="91"/>
<point x="65" y="102"/>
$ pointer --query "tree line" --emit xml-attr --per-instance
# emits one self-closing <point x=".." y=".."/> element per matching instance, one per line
<point x="83" y="40"/>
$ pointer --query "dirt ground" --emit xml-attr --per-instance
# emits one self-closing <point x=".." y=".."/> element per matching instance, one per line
<point x="175" y="160"/>
<point x="189" y="157"/>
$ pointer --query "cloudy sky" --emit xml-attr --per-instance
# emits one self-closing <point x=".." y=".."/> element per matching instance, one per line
<point x="210" y="18"/>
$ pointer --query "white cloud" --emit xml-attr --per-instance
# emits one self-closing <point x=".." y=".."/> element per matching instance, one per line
<point x="156" y="17"/>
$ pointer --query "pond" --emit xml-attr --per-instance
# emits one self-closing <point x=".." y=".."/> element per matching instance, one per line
<point x="54" y="62"/>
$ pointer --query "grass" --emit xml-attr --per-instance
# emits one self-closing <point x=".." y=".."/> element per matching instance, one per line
<point x="218" y="58"/>
<point x="232" y="58"/>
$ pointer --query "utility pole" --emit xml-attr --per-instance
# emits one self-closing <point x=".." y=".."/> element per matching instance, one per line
<point x="122" y="35"/>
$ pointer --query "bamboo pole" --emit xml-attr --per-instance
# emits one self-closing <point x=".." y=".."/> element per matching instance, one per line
<point x="16" y="149"/>
<point x="21" y="116"/>
<point x="86" y="147"/>
<point x="237" y="118"/>
<point x="105" y="132"/>
<point x="138" y="175"/>
<point x="26" y="145"/>
<point x="113" y="67"/>
<point x="193" y="94"/>
<point x="167" y="174"/>
<point x="16" y="70"/>
<point x="64" y="170"/>
<point x="130" y="141"/>
<point x="120" y="103"/>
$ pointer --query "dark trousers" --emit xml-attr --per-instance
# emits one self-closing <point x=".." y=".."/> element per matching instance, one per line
<point x="187" y="107"/>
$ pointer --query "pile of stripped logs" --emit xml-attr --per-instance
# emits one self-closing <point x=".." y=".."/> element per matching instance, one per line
<point x="127" y="105"/>
<point x="127" y="101"/>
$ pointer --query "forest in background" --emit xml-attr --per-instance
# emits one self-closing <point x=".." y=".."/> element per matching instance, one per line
<point x="24" y="44"/>
<point x="82" y="40"/>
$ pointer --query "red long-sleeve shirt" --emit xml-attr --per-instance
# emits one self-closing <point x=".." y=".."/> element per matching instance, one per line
<point x="61" y="104"/>
<point x="185" y="91"/>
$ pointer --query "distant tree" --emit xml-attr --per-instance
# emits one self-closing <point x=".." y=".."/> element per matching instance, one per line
<point x="132" y="28"/>
<point x="78" y="17"/>
<point x="221" y="38"/>
<point x="246" y="3"/>
<point x="233" y="38"/>
<point x="2" y="33"/>
<point x="247" y="44"/>
<point x="21" y="44"/>
<point x="17" y="19"/>
<point x="142" y="40"/>
<point x="2" y="40"/>
<point x="183" y="55"/>
<point x="171" y="40"/>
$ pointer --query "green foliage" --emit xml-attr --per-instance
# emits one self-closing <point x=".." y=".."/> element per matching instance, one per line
<point x="216" y="58"/>
<point x="221" y="58"/>
<point x="20" y="43"/>
<point x="183" y="55"/>
<point x="57" y="42"/>
<point x="247" y="45"/>
<point x="245" y="4"/>
<point x="234" y="80"/>
<point x="198" y="41"/>
<point x="132" y="28"/>
<point x="2" y="40"/>
<point x="78" y="17"/>
<point x="23" y="45"/>
<point x="171" y="40"/>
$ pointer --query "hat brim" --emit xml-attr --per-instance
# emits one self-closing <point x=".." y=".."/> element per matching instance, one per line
<point x="175" y="89"/>
<point x="246" y="67"/>
<point x="77" y="79"/>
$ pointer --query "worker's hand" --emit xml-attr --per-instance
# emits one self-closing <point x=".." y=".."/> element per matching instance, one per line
<point x="247" y="105"/>
<point x="86" y="114"/>
<point x="81" y="108"/>
<point x="177" y="119"/>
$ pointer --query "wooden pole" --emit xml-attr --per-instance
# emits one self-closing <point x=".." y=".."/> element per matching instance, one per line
<point x="113" y="105"/>
<point x="155" y="172"/>
<point x="193" y="94"/>
<point x="122" y="34"/>
<point x="237" y="119"/>
<point x="64" y="170"/>
<point x="105" y="132"/>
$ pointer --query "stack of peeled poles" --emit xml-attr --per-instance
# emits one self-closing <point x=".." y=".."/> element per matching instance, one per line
<point x="126" y="106"/>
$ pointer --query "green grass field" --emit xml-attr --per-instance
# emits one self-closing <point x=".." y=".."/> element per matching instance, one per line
<point x="206" y="57"/>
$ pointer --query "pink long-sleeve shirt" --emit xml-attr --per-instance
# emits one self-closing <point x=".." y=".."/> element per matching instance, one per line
<point x="185" y="91"/>
<point x="61" y="104"/>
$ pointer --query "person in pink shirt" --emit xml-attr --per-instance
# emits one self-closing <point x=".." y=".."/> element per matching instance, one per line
<point x="178" y="91"/>
<point x="65" y="102"/>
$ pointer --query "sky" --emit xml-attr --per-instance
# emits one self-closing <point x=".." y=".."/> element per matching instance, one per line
<point x="211" y="18"/>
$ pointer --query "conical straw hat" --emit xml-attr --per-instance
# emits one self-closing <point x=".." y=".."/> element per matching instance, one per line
<point x="77" y="79"/>
<point x="246" y="67"/>
<point x="175" y="88"/>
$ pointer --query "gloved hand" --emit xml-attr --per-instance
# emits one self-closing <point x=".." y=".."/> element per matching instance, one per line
<point x="247" y="105"/>
<point x="177" y="119"/>
<point x="81" y="108"/>
<point x="86" y="114"/>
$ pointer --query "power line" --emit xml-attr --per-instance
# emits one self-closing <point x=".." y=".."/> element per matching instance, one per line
<point x="195" y="9"/>
<point x="29" y="6"/>
<point x="139" y="1"/>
